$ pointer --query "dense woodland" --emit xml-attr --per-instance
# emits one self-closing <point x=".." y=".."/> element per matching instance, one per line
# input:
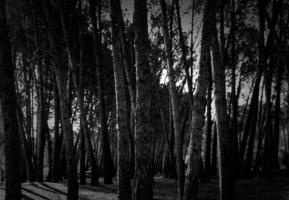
<point x="89" y="95"/>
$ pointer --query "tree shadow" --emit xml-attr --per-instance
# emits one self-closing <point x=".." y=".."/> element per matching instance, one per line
<point x="55" y="190"/>
<point x="36" y="194"/>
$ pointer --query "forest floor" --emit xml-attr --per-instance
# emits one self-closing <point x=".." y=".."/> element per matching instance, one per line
<point x="165" y="189"/>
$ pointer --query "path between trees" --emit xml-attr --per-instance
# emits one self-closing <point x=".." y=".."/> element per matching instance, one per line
<point x="165" y="189"/>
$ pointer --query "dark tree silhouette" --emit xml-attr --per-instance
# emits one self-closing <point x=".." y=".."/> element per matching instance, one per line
<point x="8" y="107"/>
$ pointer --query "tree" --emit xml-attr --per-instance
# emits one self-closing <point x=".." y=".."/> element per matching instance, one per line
<point x="82" y="175"/>
<point x="124" y="186"/>
<point x="234" y="100"/>
<point x="42" y="117"/>
<point x="209" y="129"/>
<point x="267" y="164"/>
<point x="198" y="111"/>
<point x="184" y="51"/>
<point x="250" y="128"/>
<point x="226" y="165"/>
<point x="279" y="72"/>
<point x="108" y="168"/>
<point x="173" y="100"/>
<point x="58" y="137"/>
<point x="143" y="180"/>
<point x="70" y="16"/>
<point x="72" y="194"/>
<point x="9" y="105"/>
<point x="52" y="21"/>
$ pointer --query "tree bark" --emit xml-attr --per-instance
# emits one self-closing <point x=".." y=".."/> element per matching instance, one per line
<point x="184" y="54"/>
<point x="209" y="130"/>
<point x="9" y="105"/>
<point x="57" y="138"/>
<point x="276" y="136"/>
<point x="52" y="21"/>
<point x="123" y="161"/>
<point x="214" y="151"/>
<point x="82" y="168"/>
<point x="28" y="116"/>
<point x="267" y="71"/>
<point x="194" y="161"/>
<point x="234" y="99"/>
<point x="25" y="148"/>
<point x="171" y="142"/>
<point x="173" y="100"/>
<point x="71" y="170"/>
<point x="73" y="45"/>
<point x="226" y="163"/>
<point x="128" y="62"/>
<point x="108" y="168"/>
<point x="251" y="122"/>
<point x="143" y="180"/>
<point x="91" y="154"/>
<point x="42" y="122"/>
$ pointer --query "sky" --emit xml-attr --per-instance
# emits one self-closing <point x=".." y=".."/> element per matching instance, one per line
<point x="127" y="6"/>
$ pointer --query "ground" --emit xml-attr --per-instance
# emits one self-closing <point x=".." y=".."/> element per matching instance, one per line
<point x="165" y="189"/>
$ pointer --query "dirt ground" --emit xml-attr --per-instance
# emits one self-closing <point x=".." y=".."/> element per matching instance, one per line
<point x="164" y="189"/>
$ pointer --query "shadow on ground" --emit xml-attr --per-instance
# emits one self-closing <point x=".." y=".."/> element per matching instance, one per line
<point x="165" y="189"/>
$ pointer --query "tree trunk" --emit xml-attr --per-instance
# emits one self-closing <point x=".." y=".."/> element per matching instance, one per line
<point x="267" y="164"/>
<point x="171" y="143"/>
<point x="260" y="151"/>
<point x="106" y="153"/>
<point x="184" y="54"/>
<point x="25" y="147"/>
<point x="214" y="151"/>
<point x="75" y="63"/>
<point x="251" y="142"/>
<point x="62" y="161"/>
<point x="251" y="122"/>
<point x="71" y="168"/>
<point x="91" y="154"/>
<point x="123" y="161"/>
<point x="49" y="151"/>
<point x="268" y="151"/>
<point x="42" y="122"/>
<point x="108" y="168"/>
<point x="276" y="136"/>
<point x="234" y="100"/>
<point x="173" y="100"/>
<point x="194" y="161"/>
<point x="226" y="155"/>
<point x="208" y="130"/>
<point x="143" y="180"/>
<point x="82" y="167"/>
<point x="130" y="123"/>
<point x="128" y="62"/>
<point x="28" y="113"/>
<point x="57" y="138"/>
<point x="53" y="27"/>
<point x="9" y="105"/>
